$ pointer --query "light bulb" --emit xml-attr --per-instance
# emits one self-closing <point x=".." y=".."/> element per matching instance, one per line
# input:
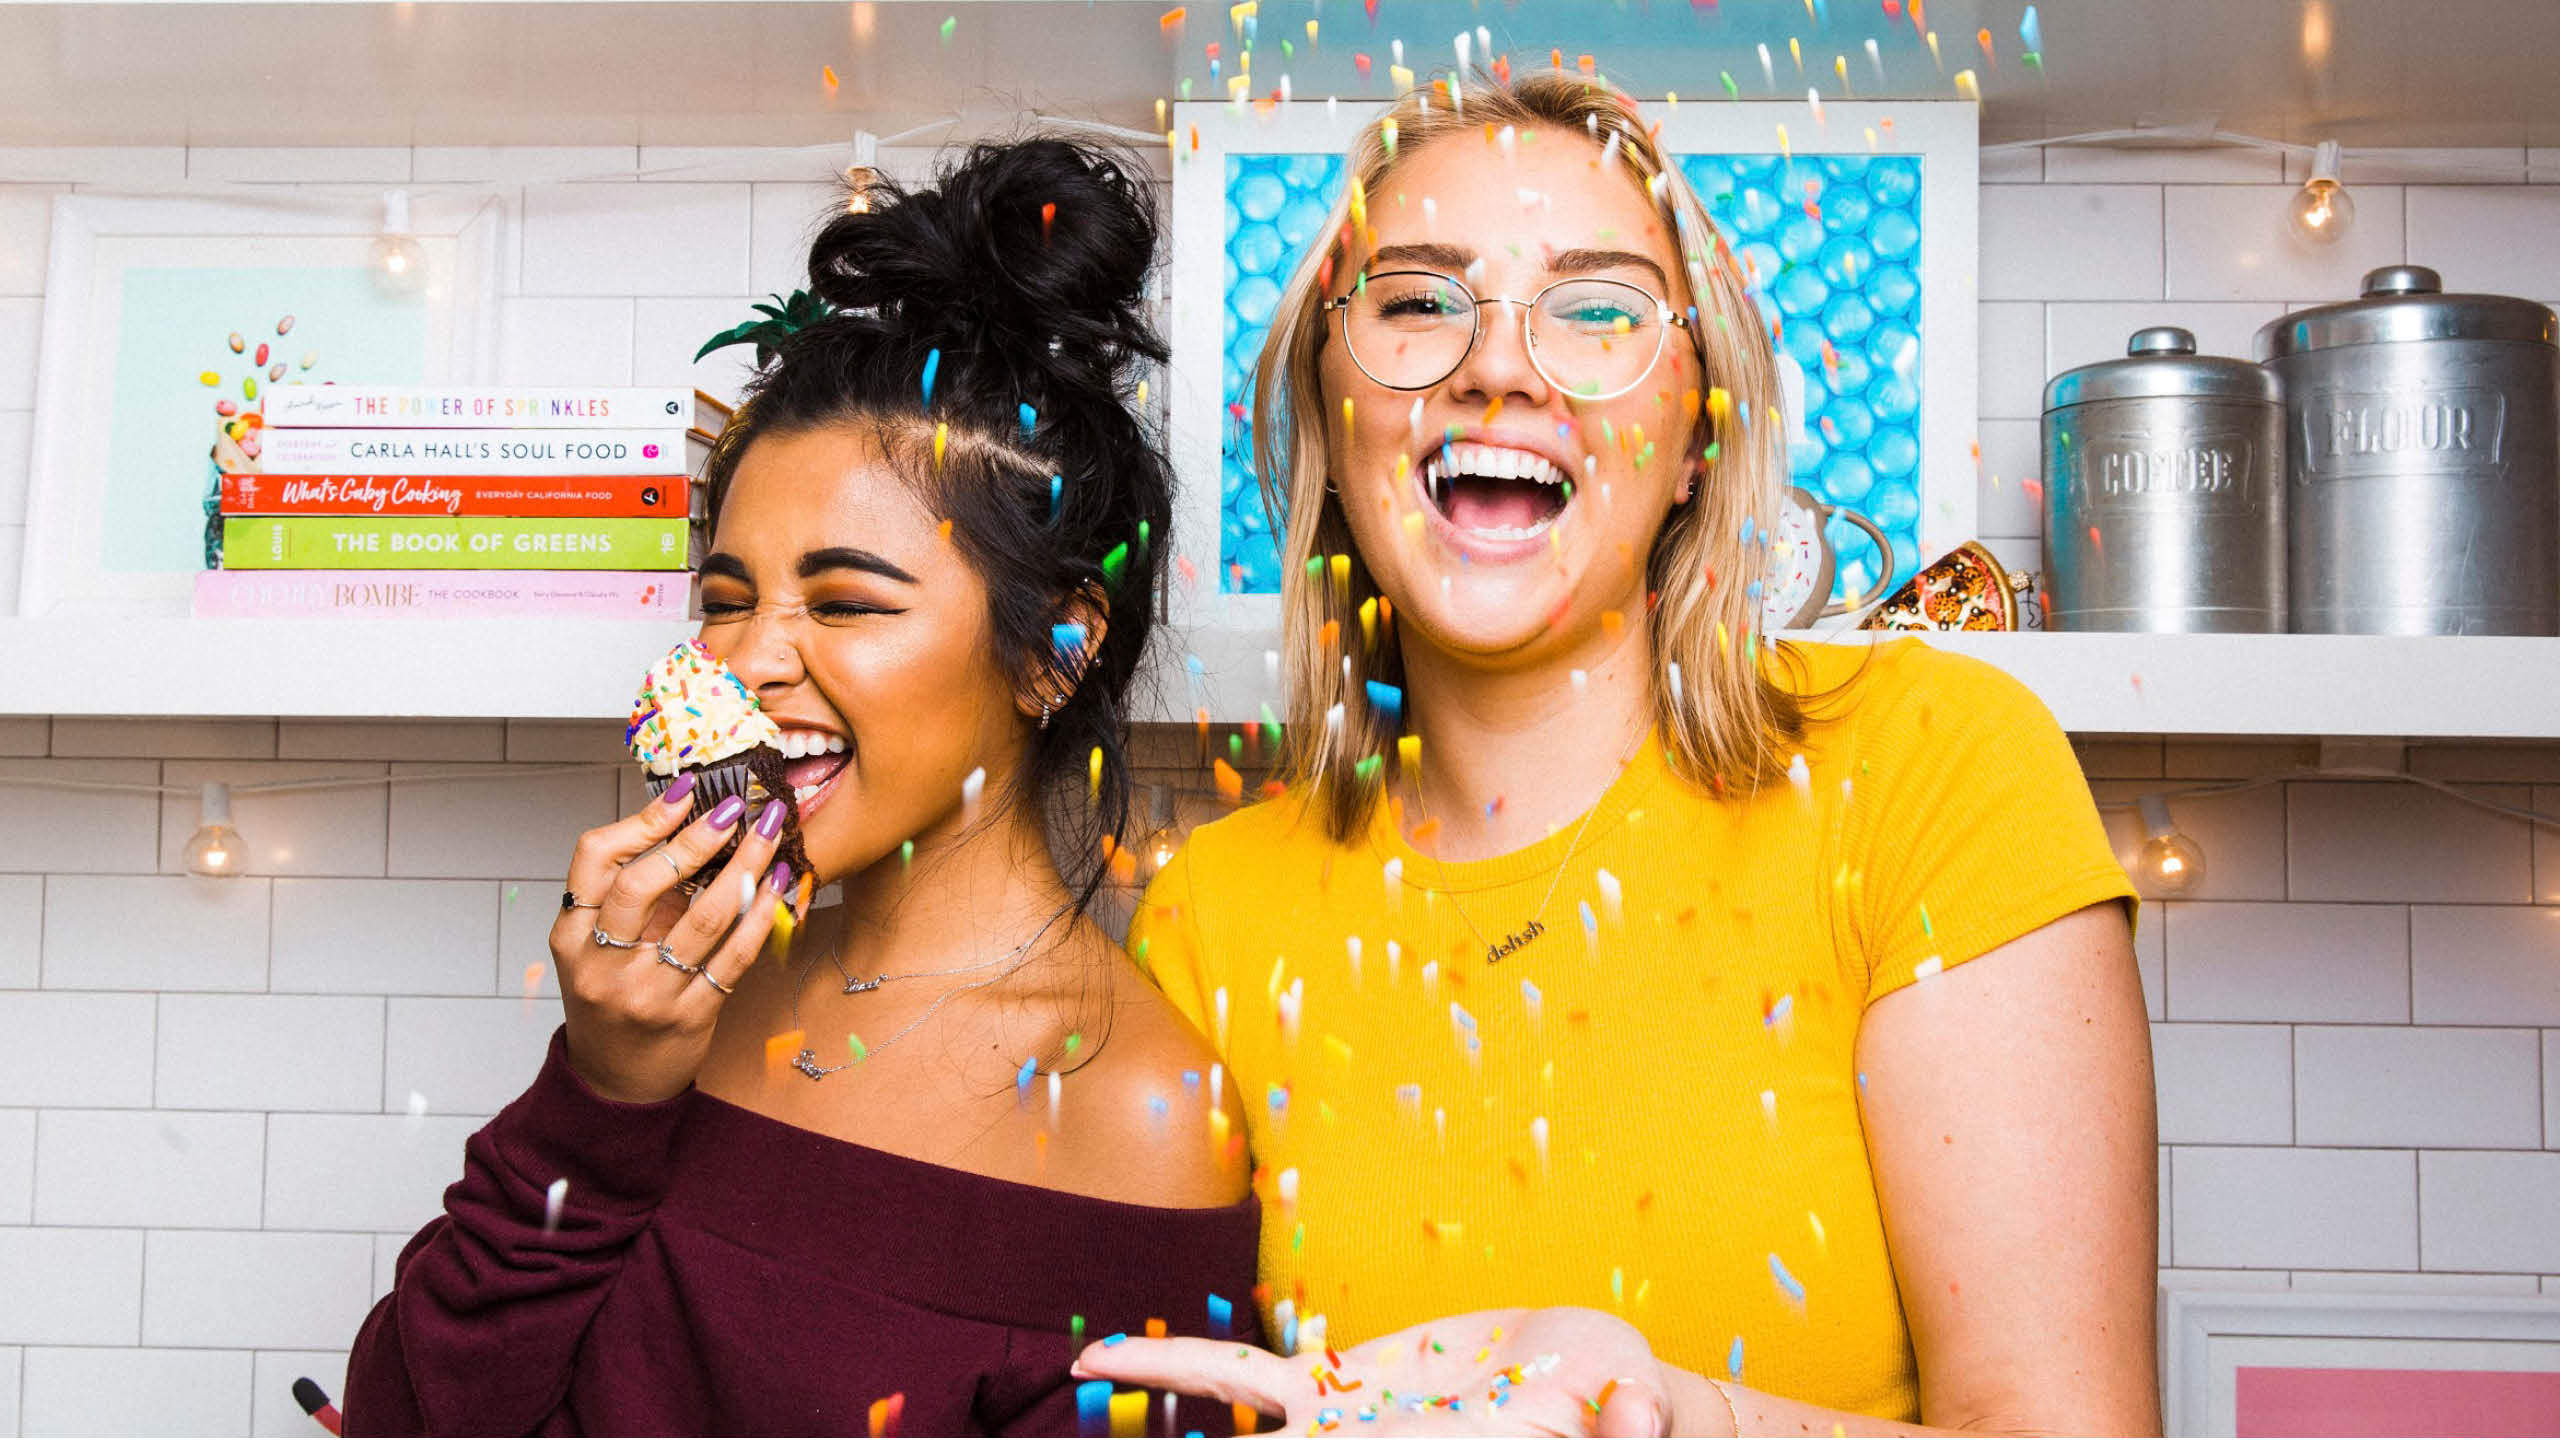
<point x="1157" y="850"/>
<point x="399" y="262"/>
<point x="2322" y="210"/>
<point x="216" y="849"/>
<point x="2171" y="863"/>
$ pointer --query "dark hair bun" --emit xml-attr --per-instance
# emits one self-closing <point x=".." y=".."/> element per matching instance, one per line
<point x="1035" y="249"/>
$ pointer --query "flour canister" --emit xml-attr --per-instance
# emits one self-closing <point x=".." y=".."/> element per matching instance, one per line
<point x="2164" y="492"/>
<point x="2424" y="432"/>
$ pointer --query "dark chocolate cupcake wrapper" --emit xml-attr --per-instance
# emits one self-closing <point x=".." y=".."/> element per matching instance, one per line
<point x="755" y="776"/>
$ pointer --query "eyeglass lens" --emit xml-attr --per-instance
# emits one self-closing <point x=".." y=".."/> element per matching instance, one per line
<point x="1410" y="329"/>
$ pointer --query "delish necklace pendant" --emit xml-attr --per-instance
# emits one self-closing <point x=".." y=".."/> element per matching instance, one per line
<point x="857" y="987"/>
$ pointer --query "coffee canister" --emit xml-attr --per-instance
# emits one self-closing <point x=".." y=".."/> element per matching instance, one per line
<point x="2164" y="492"/>
<point x="2423" y="432"/>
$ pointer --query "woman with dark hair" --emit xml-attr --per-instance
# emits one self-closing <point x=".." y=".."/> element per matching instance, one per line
<point x="935" y="558"/>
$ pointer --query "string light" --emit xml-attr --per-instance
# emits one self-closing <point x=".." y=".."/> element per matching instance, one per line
<point x="216" y="849"/>
<point x="2322" y="210"/>
<point x="399" y="262"/>
<point x="2171" y="863"/>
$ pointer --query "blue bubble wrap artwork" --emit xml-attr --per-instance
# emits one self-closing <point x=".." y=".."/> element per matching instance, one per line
<point x="1831" y="247"/>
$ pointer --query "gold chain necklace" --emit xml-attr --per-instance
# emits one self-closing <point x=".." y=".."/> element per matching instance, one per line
<point x="1536" y="926"/>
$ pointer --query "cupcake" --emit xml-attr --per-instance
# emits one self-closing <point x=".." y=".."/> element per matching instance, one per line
<point x="694" y="716"/>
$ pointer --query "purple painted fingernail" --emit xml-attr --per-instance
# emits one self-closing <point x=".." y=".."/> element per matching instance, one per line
<point x="680" y="791"/>
<point x="769" y="824"/>
<point x="780" y="878"/>
<point x="726" y="813"/>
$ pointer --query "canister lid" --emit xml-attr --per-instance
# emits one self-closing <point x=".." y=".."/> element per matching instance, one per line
<point x="2161" y="362"/>
<point x="2403" y="303"/>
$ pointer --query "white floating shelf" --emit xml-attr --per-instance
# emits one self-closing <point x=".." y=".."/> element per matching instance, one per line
<point x="2310" y="685"/>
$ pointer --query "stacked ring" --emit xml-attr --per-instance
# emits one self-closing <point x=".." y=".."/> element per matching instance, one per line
<point x="667" y="956"/>
<point x="602" y="938"/>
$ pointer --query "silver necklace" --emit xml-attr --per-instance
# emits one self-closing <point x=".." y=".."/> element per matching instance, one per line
<point x="806" y="1062"/>
<point x="1536" y="926"/>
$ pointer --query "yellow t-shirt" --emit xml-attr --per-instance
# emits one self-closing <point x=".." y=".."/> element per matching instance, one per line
<point x="1650" y="1105"/>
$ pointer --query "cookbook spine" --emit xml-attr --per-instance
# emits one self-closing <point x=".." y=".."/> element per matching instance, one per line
<point x="550" y="495"/>
<point x="462" y="542"/>
<point x="472" y="452"/>
<point x="440" y="594"/>
<point x="606" y="407"/>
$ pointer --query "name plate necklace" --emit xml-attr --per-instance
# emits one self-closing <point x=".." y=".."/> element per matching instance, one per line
<point x="1535" y="926"/>
<point x="806" y="1062"/>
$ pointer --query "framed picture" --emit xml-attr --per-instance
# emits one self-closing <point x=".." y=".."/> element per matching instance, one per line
<point x="1857" y="232"/>
<point x="2323" y="1363"/>
<point x="165" y="315"/>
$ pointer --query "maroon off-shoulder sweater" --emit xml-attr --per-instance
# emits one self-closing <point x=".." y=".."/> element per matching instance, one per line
<point x="714" y="1271"/>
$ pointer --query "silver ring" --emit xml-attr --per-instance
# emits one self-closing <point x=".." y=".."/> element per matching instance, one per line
<point x="704" y="975"/>
<point x="602" y="938"/>
<point x="667" y="956"/>
<point x="569" y="901"/>
<point x="661" y="853"/>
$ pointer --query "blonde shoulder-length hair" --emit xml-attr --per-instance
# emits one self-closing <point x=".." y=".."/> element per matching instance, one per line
<point x="1725" y="719"/>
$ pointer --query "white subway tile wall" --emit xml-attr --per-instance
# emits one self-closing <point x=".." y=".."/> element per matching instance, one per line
<point x="224" y="1107"/>
<point x="17" y="1166"/>
<point x="2224" y="1084"/>
<point x="149" y="1167"/>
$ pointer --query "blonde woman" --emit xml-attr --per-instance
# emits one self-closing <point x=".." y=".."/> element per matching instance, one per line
<point x="1643" y="1025"/>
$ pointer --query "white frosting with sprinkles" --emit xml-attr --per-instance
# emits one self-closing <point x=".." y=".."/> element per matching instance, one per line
<point x="694" y="711"/>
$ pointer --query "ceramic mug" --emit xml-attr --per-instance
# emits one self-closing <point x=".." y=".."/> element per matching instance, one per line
<point x="1797" y="591"/>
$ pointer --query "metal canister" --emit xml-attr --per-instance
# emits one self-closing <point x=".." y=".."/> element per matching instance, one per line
<point x="2164" y="492"/>
<point x="2424" y="436"/>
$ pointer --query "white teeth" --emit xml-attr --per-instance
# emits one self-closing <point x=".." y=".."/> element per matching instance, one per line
<point x="1513" y="532"/>
<point x="797" y="743"/>
<point x="800" y="793"/>
<point x="1499" y="462"/>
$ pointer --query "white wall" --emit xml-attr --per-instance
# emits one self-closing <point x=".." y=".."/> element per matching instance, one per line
<point x="224" y="1105"/>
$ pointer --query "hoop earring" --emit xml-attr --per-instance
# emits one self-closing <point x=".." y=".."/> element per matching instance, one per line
<point x="1044" y="714"/>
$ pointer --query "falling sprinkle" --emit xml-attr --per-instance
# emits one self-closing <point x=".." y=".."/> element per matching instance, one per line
<point x="1387" y="700"/>
<point x="1068" y="641"/>
<point x="1793" y="1287"/>
<point x="932" y="367"/>
<point x="827" y="76"/>
<point x="973" y="787"/>
<point x="941" y="431"/>
<point x="1022" y="1077"/>
<point x="1030" y="419"/>
<point x="949" y="24"/>
<point x="1733" y="1360"/>
<point x="553" y="1200"/>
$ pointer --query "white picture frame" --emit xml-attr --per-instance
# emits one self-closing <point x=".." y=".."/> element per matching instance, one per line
<point x="2208" y="1338"/>
<point x="1227" y="632"/>
<point x="87" y="496"/>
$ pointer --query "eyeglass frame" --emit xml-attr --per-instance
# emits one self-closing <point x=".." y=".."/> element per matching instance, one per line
<point x="1669" y="318"/>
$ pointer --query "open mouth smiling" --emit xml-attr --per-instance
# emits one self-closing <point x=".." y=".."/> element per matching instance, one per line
<point x="1491" y="500"/>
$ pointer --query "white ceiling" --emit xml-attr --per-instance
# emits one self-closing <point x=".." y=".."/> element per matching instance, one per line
<point x="704" y="72"/>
